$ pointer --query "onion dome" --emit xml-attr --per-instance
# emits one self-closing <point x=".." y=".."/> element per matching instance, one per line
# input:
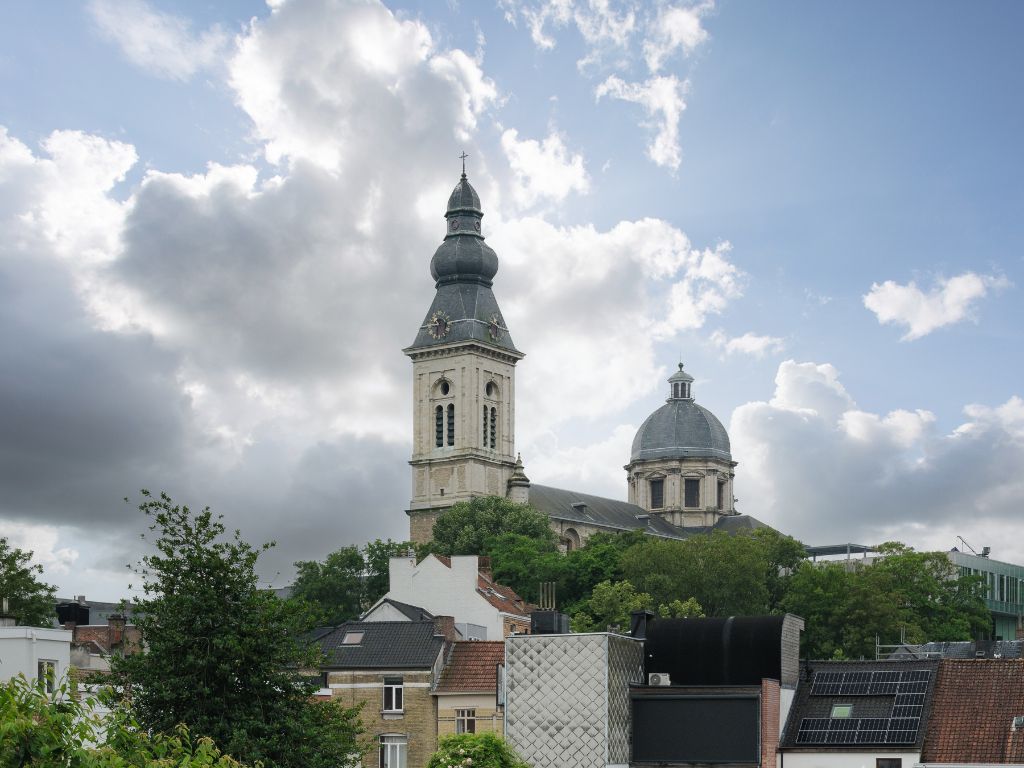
<point x="464" y="257"/>
<point x="681" y="429"/>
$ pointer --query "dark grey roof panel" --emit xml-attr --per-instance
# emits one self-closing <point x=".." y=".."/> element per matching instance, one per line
<point x="384" y="645"/>
<point x="413" y="612"/>
<point x="469" y="309"/>
<point x="678" y="430"/>
<point x="615" y="515"/>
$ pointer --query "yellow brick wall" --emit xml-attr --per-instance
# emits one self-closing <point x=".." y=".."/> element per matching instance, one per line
<point x="488" y="720"/>
<point x="418" y="722"/>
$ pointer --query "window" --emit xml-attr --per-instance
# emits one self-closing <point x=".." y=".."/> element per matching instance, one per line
<point x="46" y="674"/>
<point x="842" y="710"/>
<point x="494" y="427"/>
<point x="691" y="488"/>
<point x="492" y="389"/>
<point x="393" y="751"/>
<point x="451" y="424"/>
<point x="445" y="387"/>
<point x="721" y="495"/>
<point x="484" y="422"/>
<point x="657" y="493"/>
<point x="393" y="694"/>
<point x="465" y="721"/>
<point x="888" y="762"/>
<point x="439" y="426"/>
<point x="352" y="638"/>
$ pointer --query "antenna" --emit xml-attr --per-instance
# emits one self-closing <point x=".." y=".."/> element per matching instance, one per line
<point x="546" y="596"/>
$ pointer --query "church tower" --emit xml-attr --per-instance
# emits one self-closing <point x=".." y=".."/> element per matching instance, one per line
<point x="463" y="363"/>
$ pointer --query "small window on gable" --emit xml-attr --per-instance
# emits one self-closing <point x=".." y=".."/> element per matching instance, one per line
<point x="352" y="638"/>
<point x="842" y="710"/>
<point x="658" y="493"/>
<point x="691" y="492"/>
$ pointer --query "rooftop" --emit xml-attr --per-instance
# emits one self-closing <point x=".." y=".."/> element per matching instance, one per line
<point x="381" y="645"/>
<point x="472" y="667"/>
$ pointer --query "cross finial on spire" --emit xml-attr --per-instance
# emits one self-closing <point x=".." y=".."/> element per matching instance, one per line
<point x="463" y="156"/>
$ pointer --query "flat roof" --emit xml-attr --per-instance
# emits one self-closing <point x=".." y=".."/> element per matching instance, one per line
<point x="838" y="549"/>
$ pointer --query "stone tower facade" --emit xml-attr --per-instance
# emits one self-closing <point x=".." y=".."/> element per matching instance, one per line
<point x="463" y="376"/>
<point x="680" y="466"/>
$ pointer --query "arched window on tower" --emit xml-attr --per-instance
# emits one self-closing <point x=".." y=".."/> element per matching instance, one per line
<point x="483" y="422"/>
<point x="439" y="426"/>
<point x="494" y="427"/>
<point x="451" y="424"/>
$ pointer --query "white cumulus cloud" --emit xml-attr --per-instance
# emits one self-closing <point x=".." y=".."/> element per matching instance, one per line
<point x="544" y="170"/>
<point x="161" y="43"/>
<point x="747" y="344"/>
<point x="950" y="301"/>
<point x="675" y="28"/>
<point x="662" y="99"/>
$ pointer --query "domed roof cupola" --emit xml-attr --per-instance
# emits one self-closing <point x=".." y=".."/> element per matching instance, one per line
<point x="464" y="257"/>
<point x="681" y="429"/>
<point x="680" y="384"/>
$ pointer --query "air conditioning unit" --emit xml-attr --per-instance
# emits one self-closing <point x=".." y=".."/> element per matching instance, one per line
<point x="658" y="678"/>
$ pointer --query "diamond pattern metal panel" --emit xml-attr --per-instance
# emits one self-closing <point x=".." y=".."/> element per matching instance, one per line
<point x="557" y="707"/>
<point x="625" y="666"/>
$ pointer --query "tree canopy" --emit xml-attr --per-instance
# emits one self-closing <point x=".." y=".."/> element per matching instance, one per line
<point x="474" y="750"/>
<point x="465" y="528"/>
<point x="902" y="595"/>
<point x="222" y="654"/>
<point x="30" y="600"/>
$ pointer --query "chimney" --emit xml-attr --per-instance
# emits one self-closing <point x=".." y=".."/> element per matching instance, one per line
<point x="445" y="625"/>
<point x="484" y="567"/>
<point x="115" y="629"/>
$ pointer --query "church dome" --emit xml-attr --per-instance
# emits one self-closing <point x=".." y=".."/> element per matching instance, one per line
<point x="464" y="256"/>
<point x="681" y="429"/>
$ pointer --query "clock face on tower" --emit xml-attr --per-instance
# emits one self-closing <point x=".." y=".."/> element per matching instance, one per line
<point x="494" y="329"/>
<point x="439" y="324"/>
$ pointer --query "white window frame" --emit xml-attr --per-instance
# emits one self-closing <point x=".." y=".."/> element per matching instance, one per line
<point x="46" y="674"/>
<point x="465" y="720"/>
<point x="394" y="750"/>
<point x="394" y="695"/>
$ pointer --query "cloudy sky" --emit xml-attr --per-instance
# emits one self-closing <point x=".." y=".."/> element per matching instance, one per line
<point x="218" y="217"/>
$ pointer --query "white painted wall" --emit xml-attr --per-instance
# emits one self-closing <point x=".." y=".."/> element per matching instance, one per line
<point x="21" y="648"/>
<point x="385" y="612"/>
<point x="842" y="759"/>
<point x="444" y="591"/>
<point x="786" y="696"/>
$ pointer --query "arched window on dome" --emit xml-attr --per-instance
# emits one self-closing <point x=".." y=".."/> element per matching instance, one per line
<point x="439" y="426"/>
<point x="451" y="424"/>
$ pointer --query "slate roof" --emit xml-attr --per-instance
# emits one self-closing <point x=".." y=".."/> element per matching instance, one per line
<point x="612" y="514"/>
<point x="412" y="612"/>
<point x="681" y="429"/>
<point x="471" y="667"/>
<point x="616" y="515"/>
<point x="972" y="716"/>
<point x="503" y="598"/>
<point x="384" y="645"/>
<point x="806" y="705"/>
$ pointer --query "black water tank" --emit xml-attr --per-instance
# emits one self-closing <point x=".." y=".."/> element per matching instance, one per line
<point x="549" y="623"/>
<point x="75" y="612"/>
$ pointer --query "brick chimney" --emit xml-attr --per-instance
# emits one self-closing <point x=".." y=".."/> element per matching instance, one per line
<point x="484" y="567"/>
<point x="115" y="629"/>
<point x="445" y="625"/>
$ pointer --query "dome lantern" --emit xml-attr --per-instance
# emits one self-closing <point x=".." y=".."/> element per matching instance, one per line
<point x="680" y="385"/>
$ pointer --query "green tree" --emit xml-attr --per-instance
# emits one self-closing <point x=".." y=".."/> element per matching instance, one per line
<point x="783" y="554"/>
<point x="333" y="587"/>
<point x="465" y="528"/>
<point x="30" y="601"/>
<point x="63" y="730"/>
<point x="474" y="750"/>
<point x="611" y="604"/>
<point x="726" y="574"/>
<point x="522" y="563"/>
<point x="377" y="556"/>
<point x="222" y="655"/>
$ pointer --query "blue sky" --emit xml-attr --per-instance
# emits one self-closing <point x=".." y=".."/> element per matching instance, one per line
<point x="213" y="264"/>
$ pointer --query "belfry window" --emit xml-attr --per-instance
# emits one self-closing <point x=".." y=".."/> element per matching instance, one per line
<point x="658" y="493"/>
<point x="484" y="427"/>
<point x="691" y="492"/>
<point x="494" y="428"/>
<point x="451" y="424"/>
<point x="439" y="426"/>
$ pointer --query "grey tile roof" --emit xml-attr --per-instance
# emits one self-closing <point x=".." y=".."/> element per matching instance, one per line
<point x="413" y="612"/>
<point x="612" y="514"/>
<point x="681" y="429"/>
<point x="384" y="645"/>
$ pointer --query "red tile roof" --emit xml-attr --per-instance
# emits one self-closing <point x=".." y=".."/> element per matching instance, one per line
<point x="975" y="703"/>
<point x="471" y="667"/>
<point x="501" y="597"/>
